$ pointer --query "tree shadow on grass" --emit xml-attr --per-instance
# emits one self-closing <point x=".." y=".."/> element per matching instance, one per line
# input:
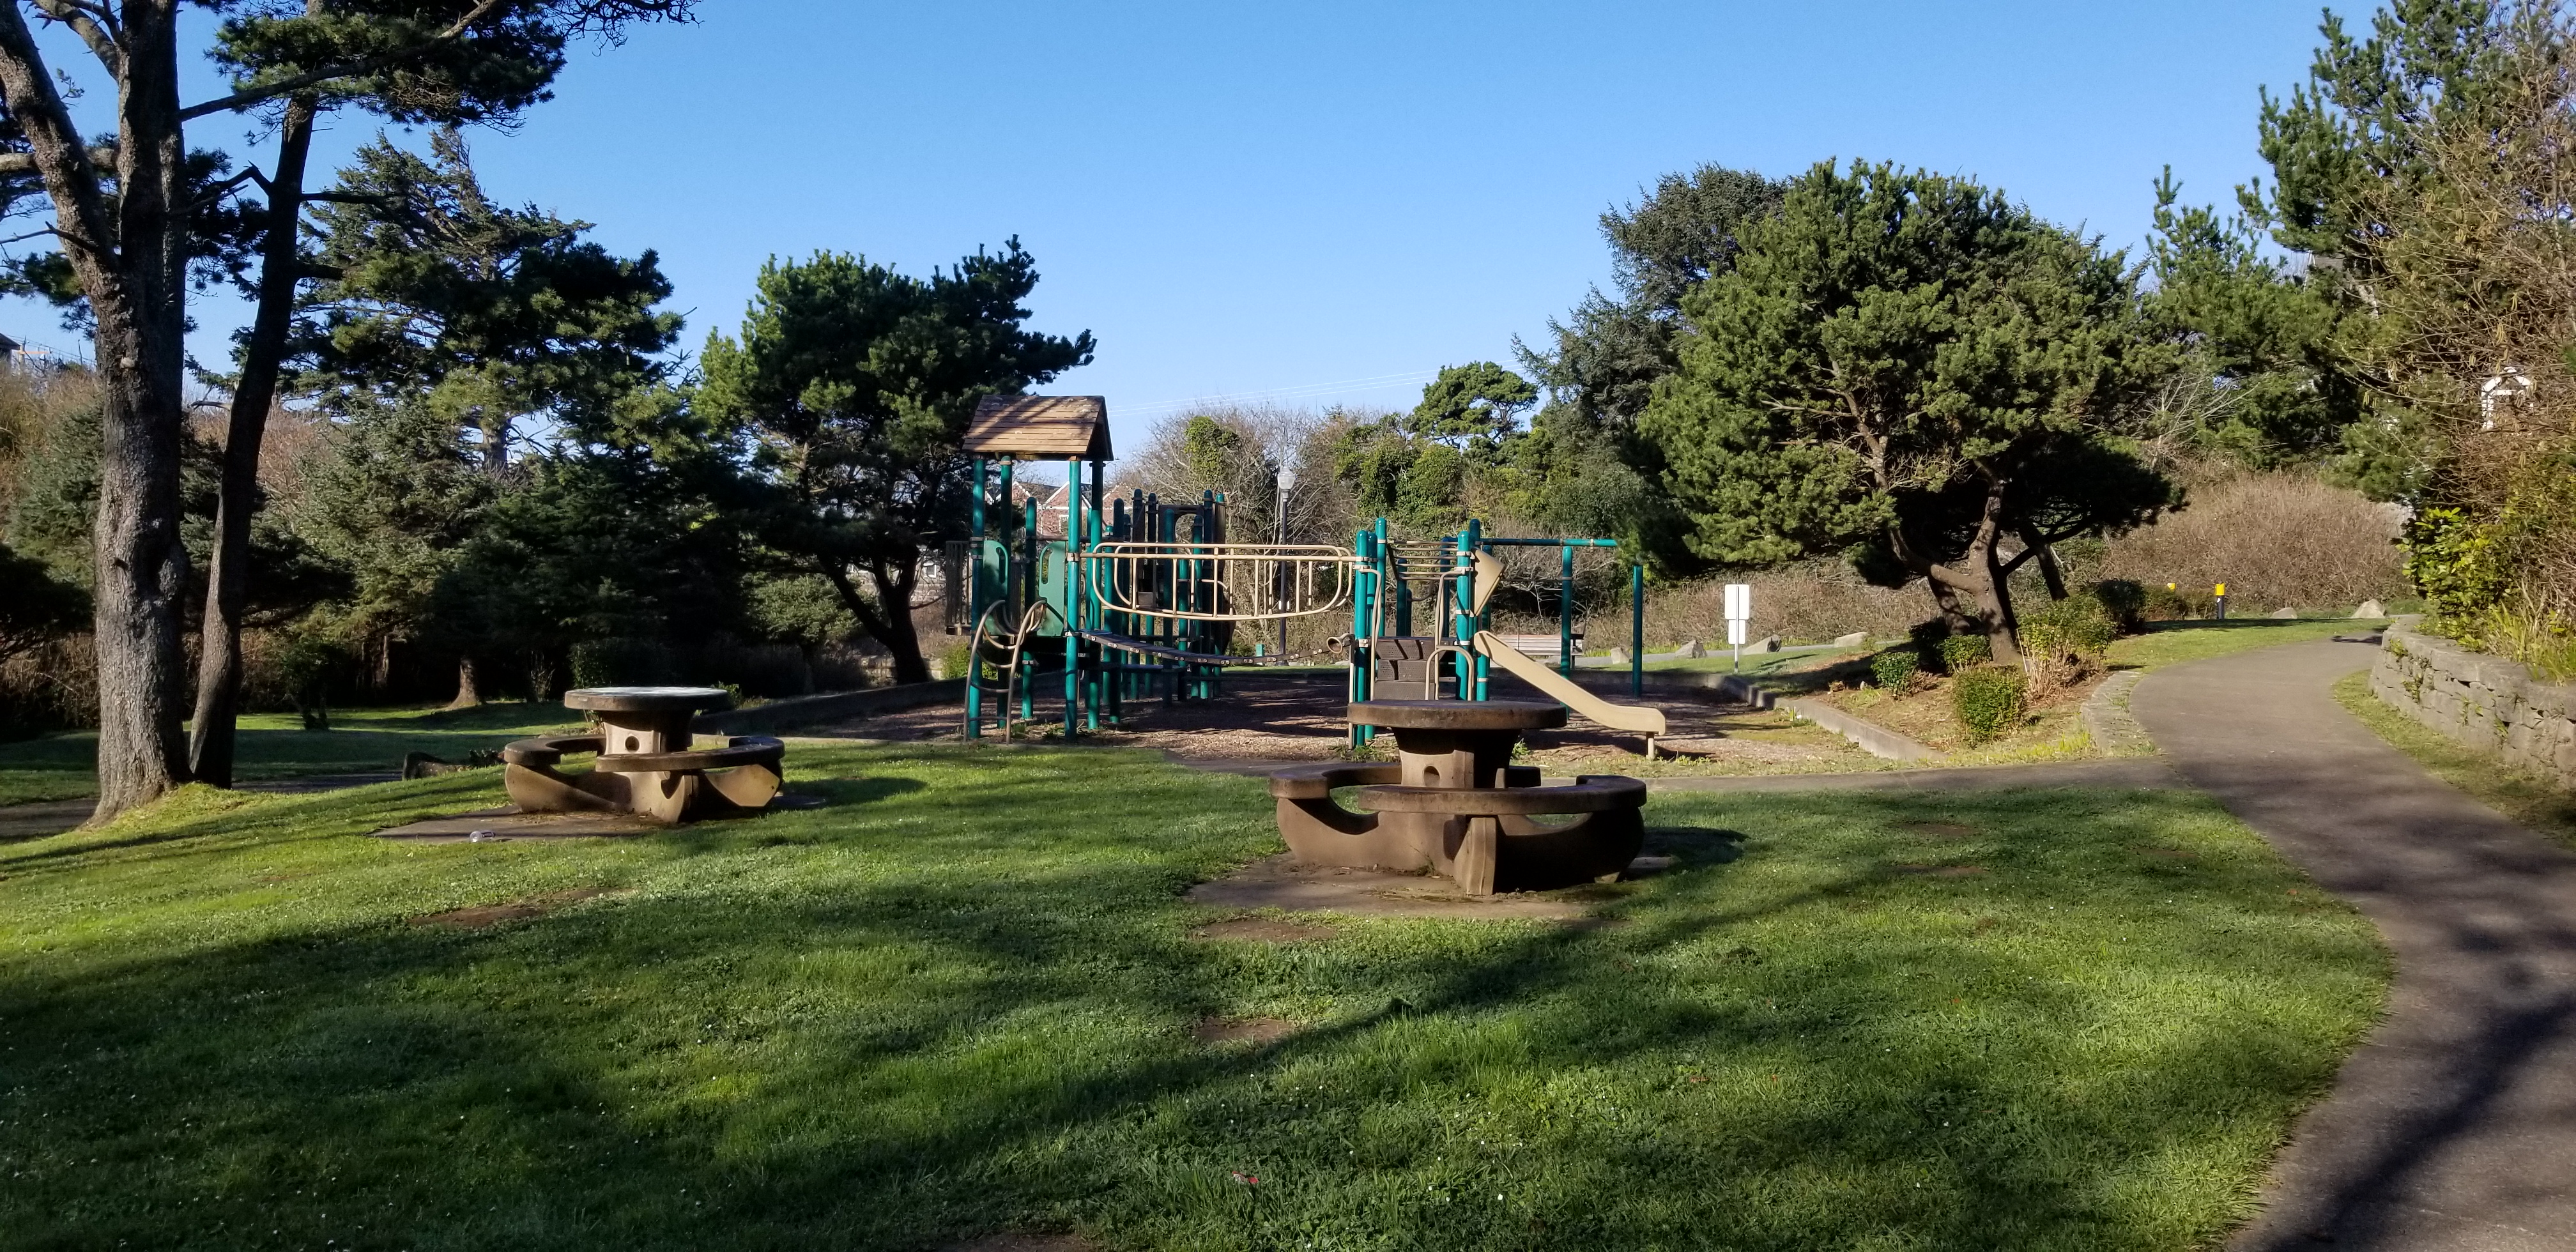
<point x="917" y="1032"/>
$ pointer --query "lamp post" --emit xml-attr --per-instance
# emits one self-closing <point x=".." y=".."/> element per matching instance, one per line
<point x="1280" y="572"/>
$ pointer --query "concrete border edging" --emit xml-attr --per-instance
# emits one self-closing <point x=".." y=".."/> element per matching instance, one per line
<point x="2107" y="720"/>
<point x="1874" y="739"/>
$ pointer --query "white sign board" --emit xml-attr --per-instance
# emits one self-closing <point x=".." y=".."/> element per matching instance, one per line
<point x="1739" y="602"/>
<point x="1735" y="632"/>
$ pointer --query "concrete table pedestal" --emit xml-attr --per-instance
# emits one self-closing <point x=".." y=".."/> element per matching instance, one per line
<point x="647" y="763"/>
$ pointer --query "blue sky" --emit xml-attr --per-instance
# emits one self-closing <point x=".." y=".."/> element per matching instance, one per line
<point x="1326" y="202"/>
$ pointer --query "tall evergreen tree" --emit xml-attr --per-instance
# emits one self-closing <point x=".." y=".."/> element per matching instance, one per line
<point x="1911" y="371"/>
<point x="126" y="211"/>
<point x="858" y="381"/>
<point x="1582" y="467"/>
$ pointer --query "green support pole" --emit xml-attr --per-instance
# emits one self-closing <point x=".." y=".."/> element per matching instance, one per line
<point x="975" y="611"/>
<point x="1029" y="583"/>
<point x="1090" y="511"/>
<point x="1565" y="614"/>
<point x="1637" y="630"/>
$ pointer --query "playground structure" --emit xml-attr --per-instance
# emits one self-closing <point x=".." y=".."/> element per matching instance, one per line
<point x="1142" y="598"/>
<point x="647" y="764"/>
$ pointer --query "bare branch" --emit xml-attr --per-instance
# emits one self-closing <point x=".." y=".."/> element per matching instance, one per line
<point x="25" y="162"/>
<point x="71" y="178"/>
<point x="287" y="86"/>
<point x="225" y="188"/>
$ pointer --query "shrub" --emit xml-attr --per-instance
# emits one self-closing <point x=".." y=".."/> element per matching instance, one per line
<point x="1895" y="668"/>
<point x="2273" y="539"/>
<point x="1811" y="601"/>
<point x="2076" y="625"/>
<point x="2063" y="639"/>
<point x="1987" y="700"/>
<point x="1928" y="638"/>
<point x="2171" y="604"/>
<point x="1962" y="652"/>
<point x="2124" y="601"/>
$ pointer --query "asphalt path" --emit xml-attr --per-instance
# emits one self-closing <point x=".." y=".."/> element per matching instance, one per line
<point x="2453" y="1127"/>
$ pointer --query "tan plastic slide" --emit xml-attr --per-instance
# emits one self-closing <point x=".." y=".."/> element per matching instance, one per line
<point x="1634" y="718"/>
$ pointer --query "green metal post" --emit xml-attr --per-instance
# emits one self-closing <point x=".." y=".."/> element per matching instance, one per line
<point x="975" y="611"/>
<point x="1565" y="615"/>
<point x="1637" y="630"/>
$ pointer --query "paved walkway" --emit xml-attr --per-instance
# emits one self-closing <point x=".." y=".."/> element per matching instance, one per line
<point x="20" y="822"/>
<point x="2453" y="1128"/>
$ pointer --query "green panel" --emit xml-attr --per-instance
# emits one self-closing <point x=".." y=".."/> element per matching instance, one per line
<point x="1051" y="574"/>
<point x="992" y="573"/>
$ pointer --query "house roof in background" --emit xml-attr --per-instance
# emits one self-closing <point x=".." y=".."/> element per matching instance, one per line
<point x="1052" y="427"/>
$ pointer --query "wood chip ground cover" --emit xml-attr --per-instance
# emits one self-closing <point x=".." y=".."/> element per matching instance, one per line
<point x="964" y="997"/>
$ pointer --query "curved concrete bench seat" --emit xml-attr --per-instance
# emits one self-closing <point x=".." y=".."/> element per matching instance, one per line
<point x="1591" y="793"/>
<point x="1488" y="839"/>
<point x="668" y="786"/>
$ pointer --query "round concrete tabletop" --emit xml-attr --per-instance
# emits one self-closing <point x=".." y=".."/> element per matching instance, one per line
<point x="1458" y="714"/>
<point x="647" y="699"/>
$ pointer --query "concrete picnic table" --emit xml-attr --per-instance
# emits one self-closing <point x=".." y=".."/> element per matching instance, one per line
<point x="1454" y="803"/>
<point x="647" y="762"/>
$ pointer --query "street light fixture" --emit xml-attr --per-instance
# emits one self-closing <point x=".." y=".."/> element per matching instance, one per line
<point x="1279" y="588"/>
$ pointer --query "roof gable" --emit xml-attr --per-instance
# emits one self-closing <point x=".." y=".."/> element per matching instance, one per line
<point x="1051" y="427"/>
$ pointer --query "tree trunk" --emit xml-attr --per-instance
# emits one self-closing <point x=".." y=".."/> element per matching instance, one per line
<point x="219" y="671"/>
<point x="1972" y="591"/>
<point x="2049" y="573"/>
<point x="889" y="626"/>
<point x="128" y="254"/>
<point x="467" y="694"/>
<point x="894" y="593"/>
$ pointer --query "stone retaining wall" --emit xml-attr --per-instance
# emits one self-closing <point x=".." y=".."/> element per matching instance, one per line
<point x="2485" y="702"/>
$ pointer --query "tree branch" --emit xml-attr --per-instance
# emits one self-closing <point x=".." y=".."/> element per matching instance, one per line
<point x="86" y="21"/>
<point x="25" y="162"/>
<point x="249" y="96"/>
<point x="225" y="188"/>
<point x="56" y="151"/>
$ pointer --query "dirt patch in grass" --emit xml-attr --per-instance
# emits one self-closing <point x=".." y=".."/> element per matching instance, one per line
<point x="1942" y="830"/>
<point x="1026" y="1243"/>
<point x="1242" y="1029"/>
<point x="479" y="916"/>
<point x="1263" y="930"/>
<point x="1943" y="871"/>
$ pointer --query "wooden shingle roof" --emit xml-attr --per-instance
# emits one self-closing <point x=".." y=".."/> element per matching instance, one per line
<point x="1052" y="427"/>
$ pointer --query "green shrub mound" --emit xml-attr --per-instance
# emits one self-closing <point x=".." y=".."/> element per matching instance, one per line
<point x="1987" y="700"/>
<point x="1960" y="653"/>
<point x="2077" y="626"/>
<point x="1927" y="638"/>
<point x="1895" y="668"/>
<point x="2124" y="601"/>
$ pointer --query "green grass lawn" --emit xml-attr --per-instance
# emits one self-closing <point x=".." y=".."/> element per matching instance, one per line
<point x="275" y="745"/>
<point x="2526" y="799"/>
<point x="2169" y="643"/>
<point x="959" y="999"/>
